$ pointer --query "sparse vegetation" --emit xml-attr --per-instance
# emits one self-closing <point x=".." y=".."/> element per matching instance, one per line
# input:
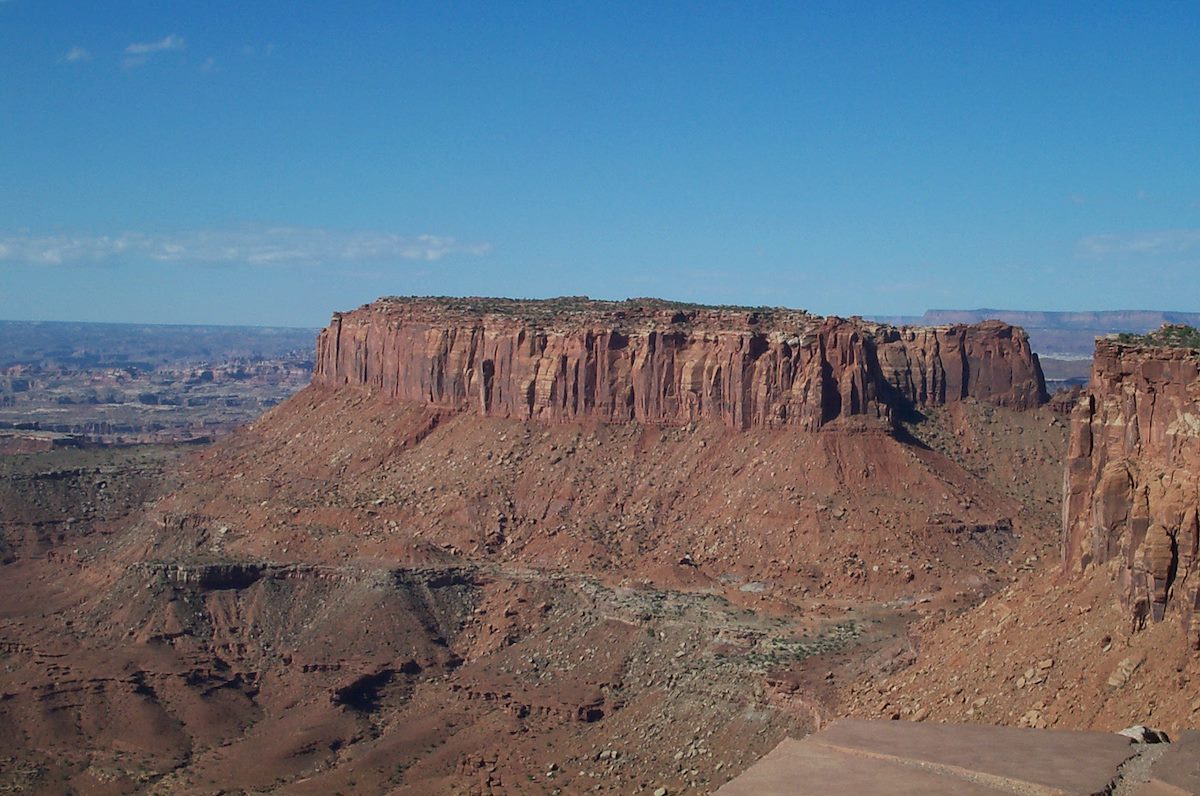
<point x="1170" y="335"/>
<point x="576" y="312"/>
<point x="538" y="309"/>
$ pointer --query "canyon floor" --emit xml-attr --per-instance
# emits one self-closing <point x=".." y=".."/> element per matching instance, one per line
<point x="362" y="596"/>
<point x="66" y="383"/>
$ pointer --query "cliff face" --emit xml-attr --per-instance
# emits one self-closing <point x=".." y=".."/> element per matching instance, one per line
<point x="1132" y="489"/>
<point x="660" y="363"/>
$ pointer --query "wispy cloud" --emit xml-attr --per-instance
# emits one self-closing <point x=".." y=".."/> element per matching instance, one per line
<point x="77" y="54"/>
<point x="1156" y="243"/>
<point x="250" y="245"/>
<point x="139" y="53"/>
<point x="169" y="42"/>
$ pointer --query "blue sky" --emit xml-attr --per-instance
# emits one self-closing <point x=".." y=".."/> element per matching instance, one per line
<point x="272" y="162"/>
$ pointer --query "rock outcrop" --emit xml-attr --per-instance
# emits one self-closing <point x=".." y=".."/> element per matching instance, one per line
<point x="1132" y="486"/>
<point x="864" y="758"/>
<point x="662" y="363"/>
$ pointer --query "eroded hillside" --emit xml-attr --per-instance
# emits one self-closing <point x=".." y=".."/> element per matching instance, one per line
<point x="1105" y="636"/>
<point x="364" y="592"/>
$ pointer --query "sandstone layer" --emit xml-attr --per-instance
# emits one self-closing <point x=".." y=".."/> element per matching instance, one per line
<point x="661" y="363"/>
<point x="1132" y="488"/>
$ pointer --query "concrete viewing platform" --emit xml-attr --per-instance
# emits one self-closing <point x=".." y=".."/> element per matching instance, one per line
<point x="855" y="757"/>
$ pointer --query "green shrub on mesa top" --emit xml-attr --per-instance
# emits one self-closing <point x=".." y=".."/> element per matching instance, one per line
<point x="1169" y="336"/>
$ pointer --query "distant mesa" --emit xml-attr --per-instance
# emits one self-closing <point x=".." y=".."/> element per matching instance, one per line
<point x="1068" y="335"/>
<point x="668" y="363"/>
<point x="1063" y="341"/>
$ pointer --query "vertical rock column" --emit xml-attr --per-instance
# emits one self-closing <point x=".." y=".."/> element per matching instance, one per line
<point x="1132" y="482"/>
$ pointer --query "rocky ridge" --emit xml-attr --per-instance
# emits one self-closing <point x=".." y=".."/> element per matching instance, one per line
<point x="1132" y="489"/>
<point x="1106" y="635"/>
<point x="665" y="363"/>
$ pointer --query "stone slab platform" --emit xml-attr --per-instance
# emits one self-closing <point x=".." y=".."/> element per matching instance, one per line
<point x="862" y="758"/>
<point x="1177" y="772"/>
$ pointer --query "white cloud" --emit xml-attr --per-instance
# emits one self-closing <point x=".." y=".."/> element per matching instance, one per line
<point x="139" y="53"/>
<point x="77" y="54"/>
<point x="169" y="42"/>
<point x="250" y="245"/>
<point x="1156" y="243"/>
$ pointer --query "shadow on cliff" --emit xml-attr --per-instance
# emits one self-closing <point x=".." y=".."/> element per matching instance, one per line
<point x="904" y="423"/>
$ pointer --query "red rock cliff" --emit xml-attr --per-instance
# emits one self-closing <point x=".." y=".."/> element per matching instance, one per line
<point x="662" y="363"/>
<point x="1132" y="486"/>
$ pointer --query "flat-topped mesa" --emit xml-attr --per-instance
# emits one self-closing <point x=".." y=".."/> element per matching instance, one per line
<point x="1132" y="486"/>
<point x="667" y="363"/>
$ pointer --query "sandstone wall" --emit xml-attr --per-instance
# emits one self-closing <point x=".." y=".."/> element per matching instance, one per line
<point x="1132" y="488"/>
<point x="662" y="365"/>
